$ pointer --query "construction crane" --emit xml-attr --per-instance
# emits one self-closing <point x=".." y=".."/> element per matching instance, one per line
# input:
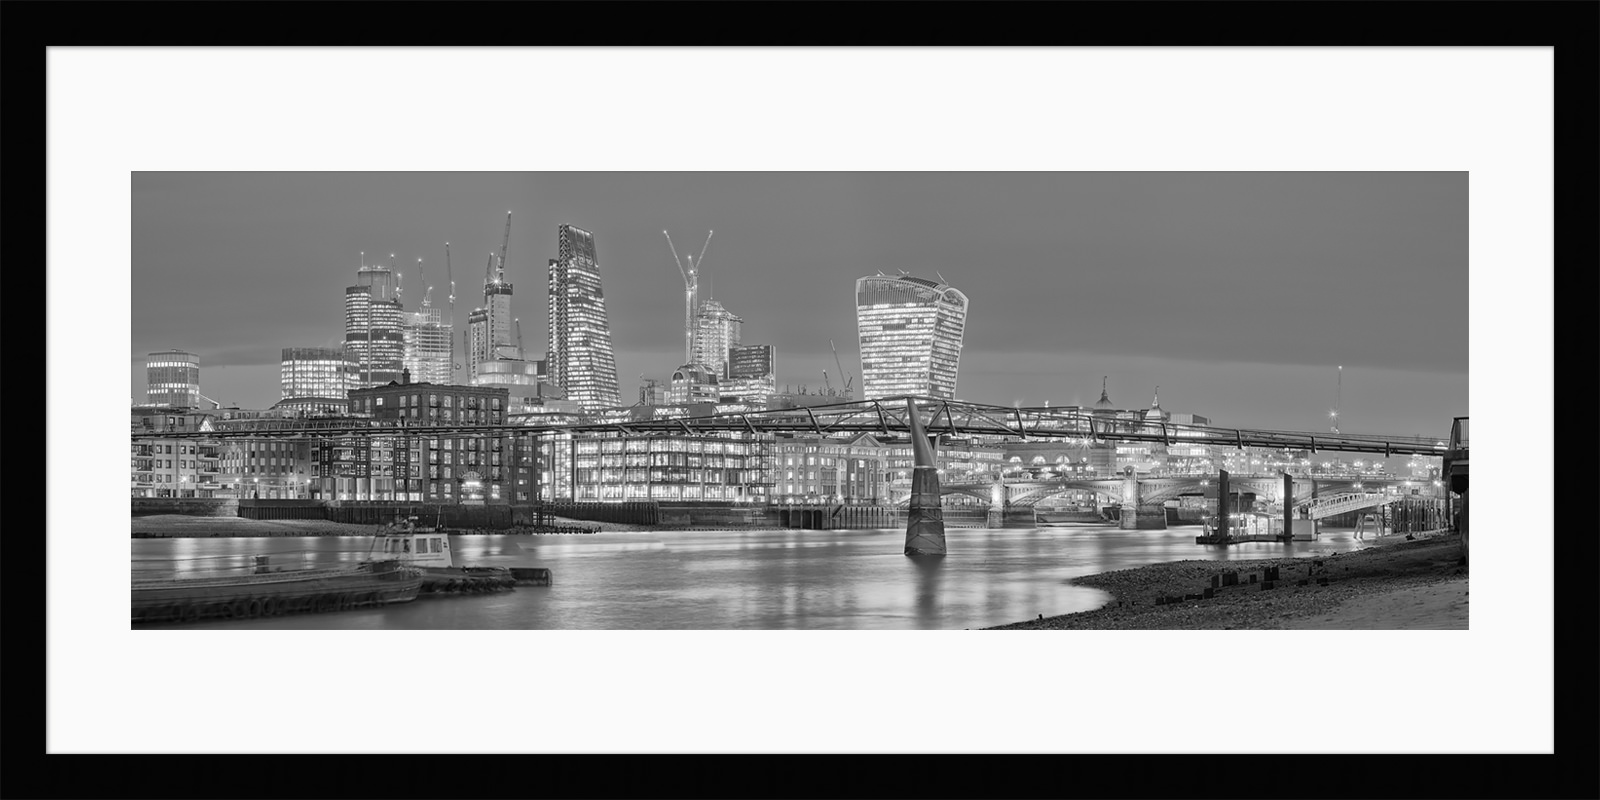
<point x="691" y="291"/>
<point x="825" y="384"/>
<point x="504" y="242"/>
<point x="450" y="274"/>
<point x="427" y="291"/>
<point x="847" y="378"/>
<point x="519" y="340"/>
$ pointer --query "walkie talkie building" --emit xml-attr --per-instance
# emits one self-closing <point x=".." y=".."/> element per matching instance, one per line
<point x="910" y="335"/>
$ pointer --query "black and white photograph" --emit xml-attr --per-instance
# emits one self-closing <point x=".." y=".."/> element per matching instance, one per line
<point x="570" y="400"/>
<point x="836" y="400"/>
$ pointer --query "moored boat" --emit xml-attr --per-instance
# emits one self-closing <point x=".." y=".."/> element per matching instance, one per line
<point x="268" y="592"/>
<point x="428" y="550"/>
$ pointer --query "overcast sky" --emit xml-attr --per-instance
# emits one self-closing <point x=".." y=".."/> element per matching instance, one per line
<point x="1239" y="294"/>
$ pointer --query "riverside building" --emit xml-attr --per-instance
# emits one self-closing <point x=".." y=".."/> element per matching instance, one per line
<point x="910" y="333"/>
<point x="456" y="466"/>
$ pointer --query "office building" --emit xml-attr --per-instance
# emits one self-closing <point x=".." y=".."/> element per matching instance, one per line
<point x="427" y="343"/>
<point x="716" y="331"/>
<point x="489" y="325"/>
<point x="174" y="379"/>
<point x="314" y="380"/>
<point x="910" y="333"/>
<point x="374" y="327"/>
<point x="579" y="350"/>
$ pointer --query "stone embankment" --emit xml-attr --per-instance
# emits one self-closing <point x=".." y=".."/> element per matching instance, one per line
<point x="1420" y="583"/>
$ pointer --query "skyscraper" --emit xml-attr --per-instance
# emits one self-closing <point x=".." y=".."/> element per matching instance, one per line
<point x="374" y="327"/>
<point x="910" y="332"/>
<point x="427" y="343"/>
<point x="579" y="352"/>
<point x="174" y="379"/>
<point x="489" y="325"/>
<point x="716" y="330"/>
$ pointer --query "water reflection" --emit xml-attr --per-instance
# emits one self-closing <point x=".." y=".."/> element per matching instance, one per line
<point x="927" y="569"/>
<point x="759" y="580"/>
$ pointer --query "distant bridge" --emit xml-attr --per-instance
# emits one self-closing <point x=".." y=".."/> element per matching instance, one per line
<point x="1157" y="490"/>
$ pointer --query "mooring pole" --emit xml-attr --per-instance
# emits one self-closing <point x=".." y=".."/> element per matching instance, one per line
<point x="1224" y="531"/>
<point x="1288" y="507"/>
<point x="924" y="515"/>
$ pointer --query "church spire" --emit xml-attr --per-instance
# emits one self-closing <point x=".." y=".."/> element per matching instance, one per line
<point x="1105" y="399"/>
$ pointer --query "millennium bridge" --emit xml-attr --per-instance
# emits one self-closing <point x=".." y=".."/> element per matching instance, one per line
<point x="925" y="421"/>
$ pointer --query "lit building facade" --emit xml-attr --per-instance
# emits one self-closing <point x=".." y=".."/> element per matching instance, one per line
<point x="616" y="467"/>
<point x="526" y="383"/>
<point x="579" y="339"/>
<point x="910" y="333"/>
<point x="374" y="328"/>
<point x="174" y="379"/>
<point x="173" y="467"/>
<point x="428" y="344"/>
<point x="755" y="390"/>
<point x="314" y="380"/>
<point x="489" y="326"/>
<point x="751" y="360"/>
<point x="716" y="331"/>
<point x="694" y="383"/>
<point x="854" y="471"/>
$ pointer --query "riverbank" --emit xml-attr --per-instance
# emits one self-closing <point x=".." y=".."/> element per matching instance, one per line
<point x="180" y="526"/>
<point x="1395" y="584"/>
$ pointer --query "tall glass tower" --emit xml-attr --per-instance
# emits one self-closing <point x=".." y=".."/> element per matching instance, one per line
<point x="910" y="332"/>
<point x="716" y="331"/>
<point x="489" y="326"/>
<point x="427" y="344"/>
<point x="581" y="360"/>
<point x="374" y="336"/>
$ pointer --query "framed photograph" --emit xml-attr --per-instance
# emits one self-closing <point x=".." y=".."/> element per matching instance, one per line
<point x="572" y="399"/>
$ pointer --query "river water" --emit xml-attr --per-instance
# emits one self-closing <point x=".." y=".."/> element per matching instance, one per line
<point x="752" y="580"/>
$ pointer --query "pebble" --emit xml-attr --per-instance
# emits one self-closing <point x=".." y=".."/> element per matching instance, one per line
<point x="1135" y="591"/>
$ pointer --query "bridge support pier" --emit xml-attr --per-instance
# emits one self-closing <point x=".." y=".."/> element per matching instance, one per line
<point x="924" y="514"/>
<point x="1136" y="516"/>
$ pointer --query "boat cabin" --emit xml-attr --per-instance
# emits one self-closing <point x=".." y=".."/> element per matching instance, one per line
<point x="404" y="542"/>
<point x="1247" y="523"/>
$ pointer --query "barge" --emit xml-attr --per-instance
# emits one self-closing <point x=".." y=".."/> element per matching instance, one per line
<point x="269" y="592"/>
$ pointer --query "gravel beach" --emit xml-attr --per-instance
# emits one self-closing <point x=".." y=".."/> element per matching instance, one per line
<point x="1397" y="584"/>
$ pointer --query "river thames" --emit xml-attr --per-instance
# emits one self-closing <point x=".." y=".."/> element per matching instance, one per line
<point x="750" y="580"/>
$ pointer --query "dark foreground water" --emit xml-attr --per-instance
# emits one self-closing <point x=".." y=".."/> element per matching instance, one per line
<point x="753" y="580"/>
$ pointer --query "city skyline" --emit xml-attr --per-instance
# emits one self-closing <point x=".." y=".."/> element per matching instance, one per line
<point x="1239" y="293"/>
